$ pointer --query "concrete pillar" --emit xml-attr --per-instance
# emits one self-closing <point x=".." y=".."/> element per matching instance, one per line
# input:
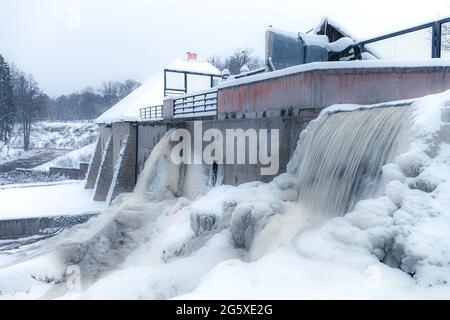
<point x="94" y="166"/>
<point x="168" y="108"/>
<point x="105" y="173"/>
<point x="84" y="167"/>
<point x="124" y="178"/>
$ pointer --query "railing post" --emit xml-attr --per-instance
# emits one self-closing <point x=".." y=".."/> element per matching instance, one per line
<point x="436" y="40"/>
<point x="438" y="27"/>
<point x="165" y="83"/>
<point x="168" y="109"/>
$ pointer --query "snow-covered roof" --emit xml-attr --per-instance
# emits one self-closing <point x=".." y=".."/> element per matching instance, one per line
<point x="335" y="25"/>
<point x="201" y="66"/>
<point x="151" y="93"/>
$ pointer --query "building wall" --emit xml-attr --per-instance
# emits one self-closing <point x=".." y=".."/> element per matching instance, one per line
<point x="322" y="88"/>
<point x="148" y="135"/>
<point x="289" y="128"/>
<point x="104" y="133"/>
<point x="120" y="131"/>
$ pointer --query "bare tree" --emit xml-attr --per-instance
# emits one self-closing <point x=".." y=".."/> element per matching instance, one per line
<point x="128" y="87"/>
<point x="217" y="61"/>
<point x="235" y="62"/>
<point x="110" y="90"/>
<point x="7" y="109"/>
<point x="26" y="91"/>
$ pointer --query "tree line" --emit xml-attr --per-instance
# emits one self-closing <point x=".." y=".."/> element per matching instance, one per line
<point x="22" y="102"/>
<point x="20" y="96"/>
<point x="89" y="103"/>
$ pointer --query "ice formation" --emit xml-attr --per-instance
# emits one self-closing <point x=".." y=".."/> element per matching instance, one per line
<point x="267" y="241"/>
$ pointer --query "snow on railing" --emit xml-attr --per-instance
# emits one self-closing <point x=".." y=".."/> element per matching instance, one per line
<point x="196" y="105"/>
<point x="151" y="113"/>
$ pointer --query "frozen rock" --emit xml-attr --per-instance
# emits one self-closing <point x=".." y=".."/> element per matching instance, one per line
<point x="445" y="132"/>
<point x="445" y="114"/>
<point x="424" y="184"/>
<point x="286" y="182"/>
<point x="202" y="222"/>
<point x="412" y="163"/>
<point x="395" y="191"/>
<point x="392" y="172"/>
<point x="243" y="226"/>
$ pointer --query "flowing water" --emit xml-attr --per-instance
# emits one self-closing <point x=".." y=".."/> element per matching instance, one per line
<point x="343" y="155"/>
<point x="159" y="171"/>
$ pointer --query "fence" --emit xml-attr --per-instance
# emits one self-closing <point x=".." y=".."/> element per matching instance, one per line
<point x="151" y="113"/>
<point x="173" y="89"/>
<point x="429" y="40"/>
<point x="196" y="105"/>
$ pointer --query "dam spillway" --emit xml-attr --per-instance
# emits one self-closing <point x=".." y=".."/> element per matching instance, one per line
<point x="342" y="155"/>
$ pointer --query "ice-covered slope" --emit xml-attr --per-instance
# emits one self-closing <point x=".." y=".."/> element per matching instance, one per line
<point x="57" y="135"/>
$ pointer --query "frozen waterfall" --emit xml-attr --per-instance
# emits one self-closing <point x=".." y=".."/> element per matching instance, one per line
<point x="342" y="154"/>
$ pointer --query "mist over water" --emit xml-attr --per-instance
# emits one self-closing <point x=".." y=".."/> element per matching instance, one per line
<point x="343" y="154"/>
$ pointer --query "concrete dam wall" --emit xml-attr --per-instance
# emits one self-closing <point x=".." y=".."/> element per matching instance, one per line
<point x="43" y="226"/>
<point x="285" y="100"/>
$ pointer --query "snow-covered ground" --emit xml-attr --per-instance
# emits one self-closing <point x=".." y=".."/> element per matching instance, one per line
<point x="9" y="154"/>
<point x="256" y="240"/>
<point x="57" y="199"/>
<point x="52" y="135"/>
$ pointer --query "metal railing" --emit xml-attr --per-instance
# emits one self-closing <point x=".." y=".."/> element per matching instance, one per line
<point x="186" y="74"/>
<point x="429" y="40"/>
<point x="196" y="105"/>
<point x="152" y="113"/>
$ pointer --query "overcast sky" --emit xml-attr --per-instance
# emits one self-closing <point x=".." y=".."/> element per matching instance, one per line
<point x="70" y="44"/>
